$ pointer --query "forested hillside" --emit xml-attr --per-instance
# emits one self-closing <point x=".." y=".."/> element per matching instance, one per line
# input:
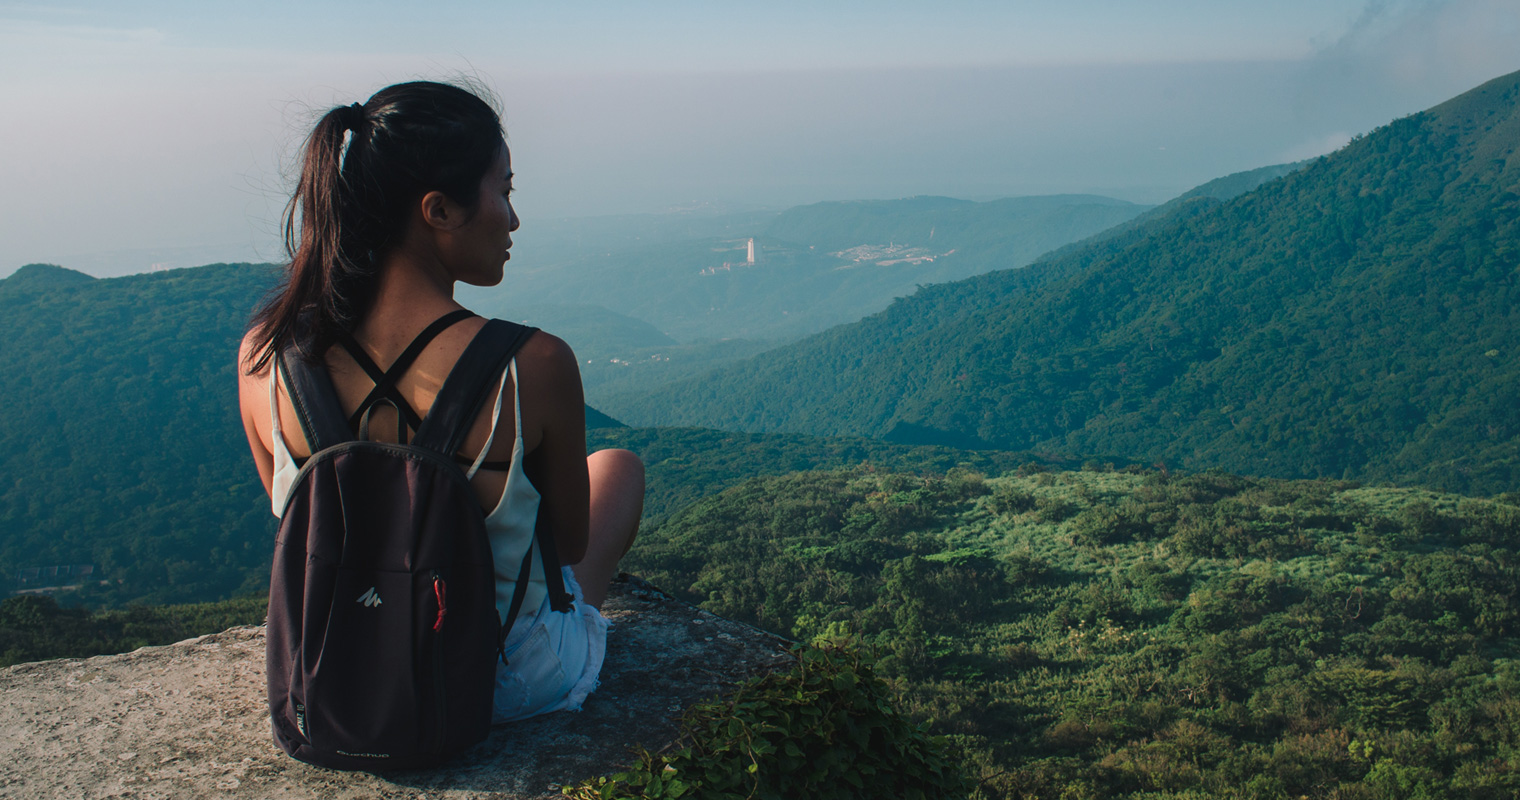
<point x="1143" y="634"/>
<point x="684" y="465"/>
<point x="1357" y="317"/>
<point x="121" y="446"/>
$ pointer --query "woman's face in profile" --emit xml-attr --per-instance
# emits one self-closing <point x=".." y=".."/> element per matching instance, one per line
<point x="485" y="239"/>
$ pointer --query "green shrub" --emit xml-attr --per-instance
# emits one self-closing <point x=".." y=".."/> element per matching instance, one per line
<point x="826" y="729"/>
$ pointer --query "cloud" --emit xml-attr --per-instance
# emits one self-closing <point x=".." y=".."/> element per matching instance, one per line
<point x="24" y="40"/>
<point x="1403" y="56"/>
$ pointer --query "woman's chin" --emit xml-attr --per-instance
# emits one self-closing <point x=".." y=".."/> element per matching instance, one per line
<point x="483" y="280"/>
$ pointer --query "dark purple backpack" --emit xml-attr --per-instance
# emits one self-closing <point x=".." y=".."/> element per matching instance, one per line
<point x="383" y="631"/>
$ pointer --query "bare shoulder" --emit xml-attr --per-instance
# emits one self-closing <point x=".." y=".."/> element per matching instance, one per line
<point x="550" y="382"/>
<point x="247" y="355"/>
<point x="550" y="358"/>
<point x="543" y="344"/>
<point x="252" y="400"/>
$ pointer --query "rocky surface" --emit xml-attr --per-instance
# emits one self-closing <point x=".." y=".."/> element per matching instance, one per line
<point x="189" y="720"/>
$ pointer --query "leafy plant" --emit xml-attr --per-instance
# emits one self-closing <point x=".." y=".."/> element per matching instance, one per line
<point x="826" y="729"/>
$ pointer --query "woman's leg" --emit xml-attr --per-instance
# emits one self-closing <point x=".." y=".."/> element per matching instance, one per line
<point x="617" y="502"/>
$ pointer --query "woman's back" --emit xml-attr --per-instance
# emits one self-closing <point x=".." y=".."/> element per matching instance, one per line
<point x="540" y="368"/>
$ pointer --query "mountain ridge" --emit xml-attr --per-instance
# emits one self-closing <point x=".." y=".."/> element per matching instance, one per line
<point x="1160" y="342"/>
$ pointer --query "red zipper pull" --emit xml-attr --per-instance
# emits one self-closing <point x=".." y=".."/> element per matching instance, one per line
<point x="440" y="593"/>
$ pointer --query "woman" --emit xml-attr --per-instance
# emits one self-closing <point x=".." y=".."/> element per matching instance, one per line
<point x="398" y="199"/>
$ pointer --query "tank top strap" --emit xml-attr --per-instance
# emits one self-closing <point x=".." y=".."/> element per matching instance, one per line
<point x="516" y="403"/>
<point x="501" y="389"/>
<point x="285" y="467"/>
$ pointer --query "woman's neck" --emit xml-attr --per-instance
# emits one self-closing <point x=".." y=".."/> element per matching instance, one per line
<point x="411" y="293"/>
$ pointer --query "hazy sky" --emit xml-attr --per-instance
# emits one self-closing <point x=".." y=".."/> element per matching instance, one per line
<point x="162" y="134"/>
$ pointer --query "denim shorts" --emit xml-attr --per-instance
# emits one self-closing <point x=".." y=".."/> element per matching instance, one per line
<point x="553" y="660"/>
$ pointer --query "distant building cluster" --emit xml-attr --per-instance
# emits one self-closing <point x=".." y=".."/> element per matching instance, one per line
<point x="749" y="261"/>
<point x="885" y="255"/>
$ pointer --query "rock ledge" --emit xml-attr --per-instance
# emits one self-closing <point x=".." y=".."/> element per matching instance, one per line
<point x="189" y="720"/>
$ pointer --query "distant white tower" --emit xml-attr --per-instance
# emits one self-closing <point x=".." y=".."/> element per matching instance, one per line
<point x="751" y="258"/>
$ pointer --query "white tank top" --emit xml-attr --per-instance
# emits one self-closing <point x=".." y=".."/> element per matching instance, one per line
<point x="509" y="525"/>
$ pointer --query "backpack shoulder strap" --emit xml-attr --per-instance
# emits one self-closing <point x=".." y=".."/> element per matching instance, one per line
<point x="385" y="380"/>
<point x="464" y="390"/>
<point x="559" y="599"/>
<point x="315" y="400"/>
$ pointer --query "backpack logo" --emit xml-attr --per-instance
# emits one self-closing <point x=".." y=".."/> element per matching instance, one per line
<point x="370" y="599"/>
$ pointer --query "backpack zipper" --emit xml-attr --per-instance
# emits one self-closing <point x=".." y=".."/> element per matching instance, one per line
<point x="440" y="700"/>
<point x="440" y="591"/>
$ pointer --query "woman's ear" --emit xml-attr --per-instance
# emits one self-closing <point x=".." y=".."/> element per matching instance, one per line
<point x="441" y="213"/>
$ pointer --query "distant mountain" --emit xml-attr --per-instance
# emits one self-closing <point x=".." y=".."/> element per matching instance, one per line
<point x="555" y="241"/>
<point x="596" y="419"/>
<point x="1357" y="317"/>
<point x="34" y="278"/>
<point x="595" y="328"/>
<point x="815" y="266"/>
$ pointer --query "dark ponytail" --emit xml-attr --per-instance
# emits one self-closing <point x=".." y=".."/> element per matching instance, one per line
<point x="351" y="204"/>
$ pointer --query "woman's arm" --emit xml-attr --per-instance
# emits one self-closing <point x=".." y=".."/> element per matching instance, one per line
<point x="554" y="403"/>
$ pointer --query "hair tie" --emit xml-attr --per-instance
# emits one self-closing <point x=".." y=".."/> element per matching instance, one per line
<point x="353" y="117"/>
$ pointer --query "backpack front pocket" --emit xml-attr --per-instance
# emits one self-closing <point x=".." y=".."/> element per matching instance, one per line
<point x="361" y="682"/>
